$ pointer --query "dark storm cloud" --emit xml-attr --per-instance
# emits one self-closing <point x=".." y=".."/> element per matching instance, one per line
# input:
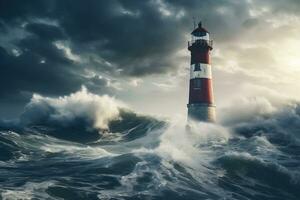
<point x="45" y="31"/>
<point x="38" y="65"/>
<point x="137" y="37"/>
<point x="130" y="37"/>
<point x="120" y="38"/>
<point x="27" y="72"/>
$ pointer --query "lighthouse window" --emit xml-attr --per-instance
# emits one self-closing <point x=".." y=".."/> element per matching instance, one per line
<point x="197" y="83"/>
<point x="199" y="34"/>
<point x="197" y="67"/>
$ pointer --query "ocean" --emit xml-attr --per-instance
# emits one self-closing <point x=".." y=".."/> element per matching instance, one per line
<point x="65" y="149"/>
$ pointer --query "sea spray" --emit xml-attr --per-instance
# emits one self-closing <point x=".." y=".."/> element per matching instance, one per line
<point x="143" y="157"/>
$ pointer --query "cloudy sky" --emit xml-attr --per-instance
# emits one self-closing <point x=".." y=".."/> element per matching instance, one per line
<point x="136" y="50"/>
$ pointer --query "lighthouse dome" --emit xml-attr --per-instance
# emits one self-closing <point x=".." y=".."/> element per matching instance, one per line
<point x="199" y="30"/>
<point x="200" y="33"/>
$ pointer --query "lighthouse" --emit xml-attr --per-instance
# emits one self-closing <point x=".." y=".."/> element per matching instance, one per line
<point x="201" y="105"/>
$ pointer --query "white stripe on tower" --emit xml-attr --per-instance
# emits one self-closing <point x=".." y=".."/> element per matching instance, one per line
<point x="204" y="71"/>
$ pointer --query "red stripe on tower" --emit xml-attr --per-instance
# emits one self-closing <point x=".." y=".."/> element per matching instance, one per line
<point x="201" y="93"/>
<point x="201" y="102"/>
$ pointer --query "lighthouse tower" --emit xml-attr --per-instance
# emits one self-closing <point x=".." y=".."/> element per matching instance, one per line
<point x="201" y="102"/>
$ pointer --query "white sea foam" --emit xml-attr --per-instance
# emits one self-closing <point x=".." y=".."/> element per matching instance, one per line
<point x="28" y="191"/>
<point x="99" y="110"/>
<point x="81" y="151"/>
<point x="181" y="144"/>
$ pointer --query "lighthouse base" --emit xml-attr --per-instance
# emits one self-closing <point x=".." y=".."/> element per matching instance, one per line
<point x="202" y="112"/>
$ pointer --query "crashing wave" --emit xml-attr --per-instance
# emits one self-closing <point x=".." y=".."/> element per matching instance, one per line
<point x="94" y="147"/>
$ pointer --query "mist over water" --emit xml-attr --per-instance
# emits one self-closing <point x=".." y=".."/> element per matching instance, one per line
<point x="86" y="146"/>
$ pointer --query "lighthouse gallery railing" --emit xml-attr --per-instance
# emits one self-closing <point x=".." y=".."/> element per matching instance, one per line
<point x="201" y="42"/>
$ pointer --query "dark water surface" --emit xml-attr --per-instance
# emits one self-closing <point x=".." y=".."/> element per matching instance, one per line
<point x="145" y="158"/>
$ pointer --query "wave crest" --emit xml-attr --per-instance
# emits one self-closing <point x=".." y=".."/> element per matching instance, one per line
<point x="96" y="111"/>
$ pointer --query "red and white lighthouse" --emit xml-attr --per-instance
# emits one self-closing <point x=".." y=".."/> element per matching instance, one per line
<point x="201" y="102"/>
